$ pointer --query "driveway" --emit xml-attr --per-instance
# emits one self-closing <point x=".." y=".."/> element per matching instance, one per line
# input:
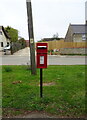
<point x="23" y="52"/>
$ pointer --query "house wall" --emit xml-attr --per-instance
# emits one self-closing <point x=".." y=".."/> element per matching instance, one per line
<point x="78" y="38"/>
<point x="69" y="35"/>
<point x="4" y="40"/>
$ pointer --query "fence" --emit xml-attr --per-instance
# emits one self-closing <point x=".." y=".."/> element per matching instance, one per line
<point x="61" y="44"/>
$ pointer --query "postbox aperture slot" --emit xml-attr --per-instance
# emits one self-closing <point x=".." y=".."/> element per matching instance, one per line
<point x="42" y="47"/>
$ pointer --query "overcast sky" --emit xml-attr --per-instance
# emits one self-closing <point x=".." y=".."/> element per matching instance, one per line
<point x="49" y="16"/>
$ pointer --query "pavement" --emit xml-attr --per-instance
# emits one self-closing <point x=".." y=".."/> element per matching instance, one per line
<point x="1" y="53"/>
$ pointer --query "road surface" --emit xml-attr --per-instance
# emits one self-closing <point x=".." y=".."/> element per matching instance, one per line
<point x="22" y="57"/>
<point x="52" y="60"/>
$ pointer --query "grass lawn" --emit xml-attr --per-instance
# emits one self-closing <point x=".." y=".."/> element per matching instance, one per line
<point x="64" y="95"/>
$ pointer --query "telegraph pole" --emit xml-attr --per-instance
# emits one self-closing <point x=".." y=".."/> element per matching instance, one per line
<point x="31" y="37"/>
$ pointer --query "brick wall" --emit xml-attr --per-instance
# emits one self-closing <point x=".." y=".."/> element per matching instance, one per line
<point x="73" y="51"/>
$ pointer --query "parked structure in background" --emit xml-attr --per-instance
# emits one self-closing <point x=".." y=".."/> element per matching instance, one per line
<point x="27" y="43"/>
<point x="4" y="38"/>
<point x="76" y="33"/>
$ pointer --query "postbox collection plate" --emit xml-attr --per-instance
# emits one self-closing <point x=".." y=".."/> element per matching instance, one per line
<point x="42" y="60"/>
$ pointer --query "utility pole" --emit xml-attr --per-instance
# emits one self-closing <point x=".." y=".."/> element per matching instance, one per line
<point x="31" y="37"/>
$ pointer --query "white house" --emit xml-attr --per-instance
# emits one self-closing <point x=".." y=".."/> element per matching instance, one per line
<point x="4" y="38"/>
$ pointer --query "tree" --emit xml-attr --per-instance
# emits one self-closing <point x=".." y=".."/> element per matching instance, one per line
<point x="22" y="42"/>
<point x="13" y="33"/>
<point x="56" y="35"/>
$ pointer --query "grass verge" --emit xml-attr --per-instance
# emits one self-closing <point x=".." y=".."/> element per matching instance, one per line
<point x="66" y="97"/>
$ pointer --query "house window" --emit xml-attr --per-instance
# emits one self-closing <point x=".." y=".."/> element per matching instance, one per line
<point x="83" y="37"/>
<point x="0" y="32"/>
<point x="1" y="44"/>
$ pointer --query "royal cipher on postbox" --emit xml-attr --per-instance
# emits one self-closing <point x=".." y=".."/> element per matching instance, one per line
<point x="41" y="57"/>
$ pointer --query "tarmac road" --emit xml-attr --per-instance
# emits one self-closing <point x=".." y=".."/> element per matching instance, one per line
<point x="52" y="60"/>
<point x="22" y="57"/>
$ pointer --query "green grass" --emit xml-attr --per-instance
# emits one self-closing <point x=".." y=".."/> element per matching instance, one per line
<point x="0" y="90"/>
<point x="65" y="98"/>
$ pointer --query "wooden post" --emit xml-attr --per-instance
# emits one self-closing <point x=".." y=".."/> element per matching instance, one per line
<point x="31" y="37"/>
<point x="41" y="82"/>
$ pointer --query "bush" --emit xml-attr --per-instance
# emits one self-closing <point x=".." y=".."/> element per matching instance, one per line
<point x="20" y="44"/>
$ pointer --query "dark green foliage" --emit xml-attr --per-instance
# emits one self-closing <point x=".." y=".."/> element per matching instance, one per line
<point x="20" y="44"/>
<point x="7" y="69"/>
<point x="13" y="33"/>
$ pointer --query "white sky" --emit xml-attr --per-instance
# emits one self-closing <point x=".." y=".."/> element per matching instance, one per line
<point x="49" y="16"/>
<point x="86" y="10"/>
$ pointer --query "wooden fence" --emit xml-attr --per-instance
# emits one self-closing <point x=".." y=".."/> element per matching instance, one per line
<point x="61" y="44"/>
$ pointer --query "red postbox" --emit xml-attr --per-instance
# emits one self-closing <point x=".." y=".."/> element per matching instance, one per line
<point x="41" y="49"/>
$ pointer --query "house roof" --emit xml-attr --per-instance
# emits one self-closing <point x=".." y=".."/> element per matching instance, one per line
<point x="2" y="28"/>
<point x="80" y="28"/>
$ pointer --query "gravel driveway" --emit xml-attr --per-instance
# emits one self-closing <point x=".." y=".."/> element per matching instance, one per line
<point x="23" y="52"/>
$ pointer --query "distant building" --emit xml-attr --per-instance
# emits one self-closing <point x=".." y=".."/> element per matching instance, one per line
<point x="76" y="33"/>
<point x="19" y="37"/>
<point x="50" y="39"/>
<point x="4" y="38"/>
<point x="27" y="43"/>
